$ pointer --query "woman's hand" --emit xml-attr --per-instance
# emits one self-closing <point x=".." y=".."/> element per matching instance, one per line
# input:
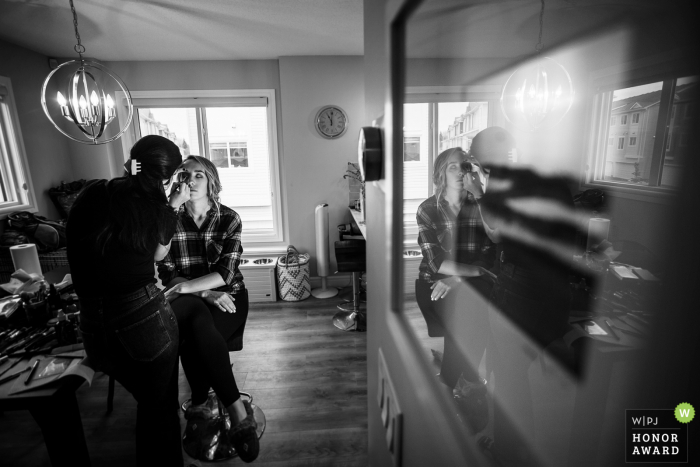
<point x="222" y="300"/>
<point x="473" y="182"/>
<point x="179" y="194"/>
<point x="489" y="274"/>
<point x="173" y="292"/>
<point x="442" y="287"/>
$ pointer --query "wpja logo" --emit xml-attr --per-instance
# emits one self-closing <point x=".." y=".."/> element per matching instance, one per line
<point x="658" y="435"/>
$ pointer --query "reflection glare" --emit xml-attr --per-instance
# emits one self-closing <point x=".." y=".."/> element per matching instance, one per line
<point x="527" y="317"/>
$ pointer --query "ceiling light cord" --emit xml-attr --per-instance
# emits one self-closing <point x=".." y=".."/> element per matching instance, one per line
<point x="538" y="47"/>
<point x="80" y="48"/>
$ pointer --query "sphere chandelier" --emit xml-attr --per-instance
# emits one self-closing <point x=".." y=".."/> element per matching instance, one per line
<point x="538" y="94"/>
<point x="87" y="102"/>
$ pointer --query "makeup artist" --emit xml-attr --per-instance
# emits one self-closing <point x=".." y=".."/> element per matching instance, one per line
<point x="115" y="230"/>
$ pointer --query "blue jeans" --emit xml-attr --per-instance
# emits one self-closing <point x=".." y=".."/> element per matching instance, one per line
<point x="134" y="338"/>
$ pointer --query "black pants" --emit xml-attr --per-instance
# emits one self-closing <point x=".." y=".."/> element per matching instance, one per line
<point x="134" y="338"/>
<point x="463" y="343"/>
<point x="205" y="331"/>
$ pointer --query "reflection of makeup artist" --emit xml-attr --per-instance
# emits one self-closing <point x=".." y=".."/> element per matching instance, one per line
<point x="455" y="248"/>
<point x="531" y="297"/>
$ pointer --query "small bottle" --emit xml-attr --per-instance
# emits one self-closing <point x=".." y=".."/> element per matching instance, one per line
<point x="61" y="326"/>
<point x="55" y="301"/>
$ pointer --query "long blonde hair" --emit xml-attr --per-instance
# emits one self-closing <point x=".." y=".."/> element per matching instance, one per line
<point x="213" y="181"/>
<point x="440" y="169"/>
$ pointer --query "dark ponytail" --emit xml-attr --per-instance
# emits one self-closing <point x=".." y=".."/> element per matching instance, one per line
<point x="139" y="215"/>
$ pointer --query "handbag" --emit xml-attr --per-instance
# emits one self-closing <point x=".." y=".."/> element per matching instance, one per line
<point x="293" y="276"/>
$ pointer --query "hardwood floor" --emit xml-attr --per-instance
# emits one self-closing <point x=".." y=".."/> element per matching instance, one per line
<point x="309" y="378"/>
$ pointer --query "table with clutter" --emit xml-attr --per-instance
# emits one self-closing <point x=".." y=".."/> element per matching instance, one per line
<point x="42" y="362"/>
<point x="615" y="311"/>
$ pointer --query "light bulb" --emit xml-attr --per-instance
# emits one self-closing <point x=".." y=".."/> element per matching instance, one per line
<point x="94" y="100"/>
<point x="109" y="102"/>
<point x="61" y="100"/>
<point x="83" y="102"/>
<point x="537" y="95"/>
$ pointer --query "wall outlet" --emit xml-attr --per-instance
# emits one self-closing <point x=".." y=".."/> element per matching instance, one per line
<point x="390" y="411"/>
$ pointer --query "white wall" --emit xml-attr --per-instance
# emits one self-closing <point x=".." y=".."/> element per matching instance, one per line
<point x="48" y="152"/>
<point x="314" y="166"/>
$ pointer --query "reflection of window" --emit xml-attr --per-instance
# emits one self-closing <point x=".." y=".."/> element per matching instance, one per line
<point x="219" y="155"/>
<point x="236" y="131"/>
<point x="411" y="149"/>
<point x="655" y="138"/>
<point x="430" y="127"/>
<point x="239" y="154"/>
<point x="16" y="192"/>
<point x="228" y="155"/>
<point x="623" y="120"/>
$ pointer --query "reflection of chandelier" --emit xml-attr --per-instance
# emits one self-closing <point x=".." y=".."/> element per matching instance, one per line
<point x="538" y="94"/>
<point x="86" y="104"/>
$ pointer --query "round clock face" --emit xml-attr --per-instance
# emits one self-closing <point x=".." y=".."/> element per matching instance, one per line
<point x="331" y="122"/>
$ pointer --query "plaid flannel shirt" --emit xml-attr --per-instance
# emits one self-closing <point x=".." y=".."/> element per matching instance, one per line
<point x="442" y="235"/>
<point x="213" y="247"/>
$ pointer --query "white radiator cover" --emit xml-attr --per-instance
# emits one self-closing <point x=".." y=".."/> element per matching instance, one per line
<point x="259" y="277"/>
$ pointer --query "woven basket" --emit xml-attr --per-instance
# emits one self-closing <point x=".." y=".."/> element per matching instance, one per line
<point x="48" y="261"/>
<point x="293" y="276"/>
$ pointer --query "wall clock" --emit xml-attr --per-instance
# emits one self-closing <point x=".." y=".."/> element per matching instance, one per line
<point x="331" y="122"/>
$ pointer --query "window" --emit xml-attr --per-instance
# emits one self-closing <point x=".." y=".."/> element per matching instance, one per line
<point x="439" y="120"/>
<point x="236" y="130"/>
<point x="16" y="191"/>
<point x="623" y="120"/>
<point x="411" y="149"/>
<point x="659" y="158"/>
<point x="229" y="154"/>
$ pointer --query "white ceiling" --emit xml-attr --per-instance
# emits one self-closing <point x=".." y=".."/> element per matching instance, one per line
<point x="510" y="28"/>
<point x="186" y="29"/>
<point x="267" y="29"/>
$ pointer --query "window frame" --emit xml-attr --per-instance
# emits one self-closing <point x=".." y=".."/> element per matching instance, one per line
<point x="411" y="142"/>
<point x="13" y="156"/>
<point x="434" y="95"/>
<point x="664" y="69"/>
<point x="223" y="98"/>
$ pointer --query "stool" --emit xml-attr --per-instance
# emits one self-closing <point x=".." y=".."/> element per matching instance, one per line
<point x="351" y="256"/>
<point x="213" y="445"/>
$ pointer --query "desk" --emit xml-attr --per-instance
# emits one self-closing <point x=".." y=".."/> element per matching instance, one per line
<point x="54" y="407"/>
<point x="357" y="218"/>
<point x="594" y="388"/>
